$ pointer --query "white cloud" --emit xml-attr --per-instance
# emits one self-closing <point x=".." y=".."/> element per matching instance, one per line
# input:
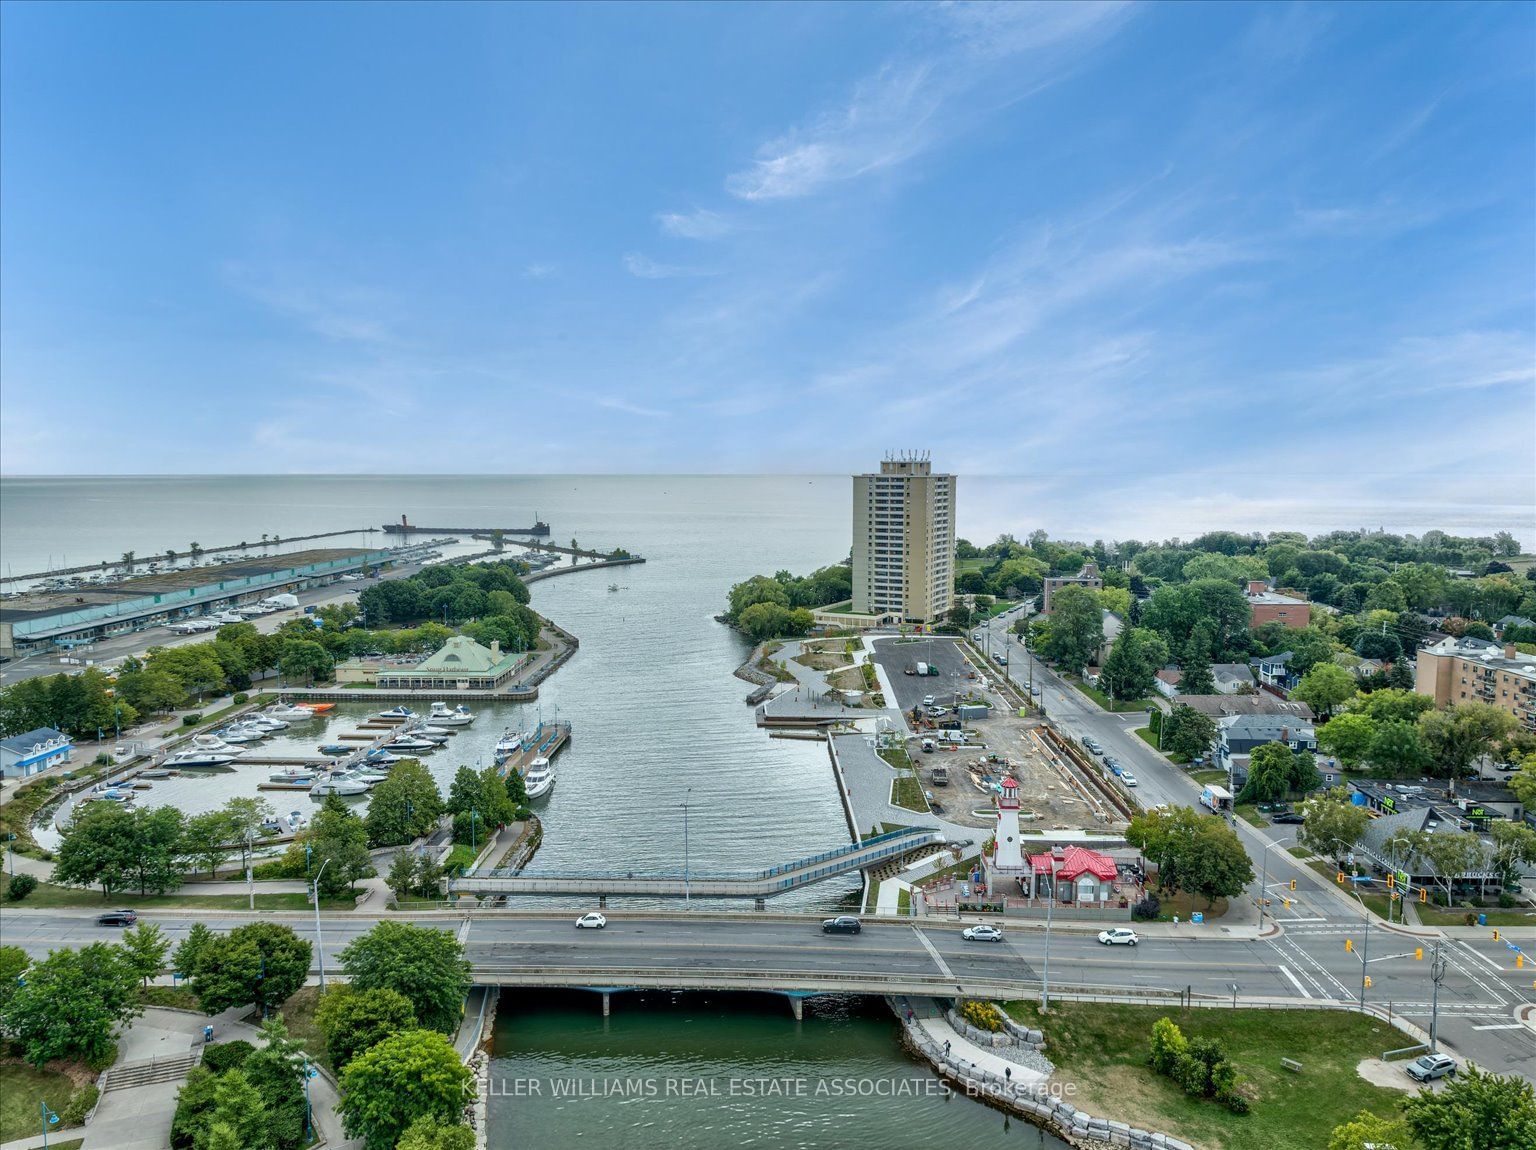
<point x="700" y="224"/>
<point x="347" y="313"/>
<point x="643" y="267"/>
<point x="538" y="271"/>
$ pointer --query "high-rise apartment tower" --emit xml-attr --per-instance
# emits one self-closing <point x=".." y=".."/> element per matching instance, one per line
<point x="904" y="540"/>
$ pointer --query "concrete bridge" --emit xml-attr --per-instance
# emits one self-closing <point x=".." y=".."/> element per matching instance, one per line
<point x="757" y="885"/>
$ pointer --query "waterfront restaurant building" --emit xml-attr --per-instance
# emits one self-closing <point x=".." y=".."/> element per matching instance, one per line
<point x="25" y="755"/>
<point x="460" y="664"/>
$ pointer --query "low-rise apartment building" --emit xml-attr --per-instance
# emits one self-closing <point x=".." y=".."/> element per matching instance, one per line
<point x="1461" y="670"/>
<point x="1267" y="606"/>
<point x="1088" y="577"/>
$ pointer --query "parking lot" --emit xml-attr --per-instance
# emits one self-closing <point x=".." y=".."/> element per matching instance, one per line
<point x="895" y="656"/>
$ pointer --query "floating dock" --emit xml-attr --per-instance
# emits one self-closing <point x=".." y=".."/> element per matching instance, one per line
<point x="549" y="741"/>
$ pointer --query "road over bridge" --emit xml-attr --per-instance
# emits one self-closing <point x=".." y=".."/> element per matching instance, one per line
<point x="1304" y="966"/>
<point x="757" y="885"/>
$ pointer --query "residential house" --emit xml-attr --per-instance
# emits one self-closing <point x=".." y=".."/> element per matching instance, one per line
<point x="1238" y="736"/>
<point x="1509" y="621"/>
<point x="1275" y="671"/>
<point x="1358" y="667"/>
<point x="1087" y="577"/>
<point x="1224" y="706"/>
<point x="24" y="755"/>
<point x="1230" y="678"/>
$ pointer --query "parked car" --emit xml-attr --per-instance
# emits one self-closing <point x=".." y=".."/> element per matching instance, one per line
<point x="842" y="924"/>
<point x="1093" y="746"/>
<point x="1119" y="936"/>
<point x="1429" y="1066"/>
<point x="1002" y="660"/>
<point x="927" y="700"/>
<point x="1289" y="818"/>
<point x="1128" y="779"/>
<point x="117" y="918"/>
<point x="1114" y="766"/>
<point x="591" y="921"/>
<point x="982" y="934"/>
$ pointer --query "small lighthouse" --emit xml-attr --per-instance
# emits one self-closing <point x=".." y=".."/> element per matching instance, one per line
<point x="1010" y="854"/>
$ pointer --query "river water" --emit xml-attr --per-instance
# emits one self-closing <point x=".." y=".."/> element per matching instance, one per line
<point x="659" y="721"/>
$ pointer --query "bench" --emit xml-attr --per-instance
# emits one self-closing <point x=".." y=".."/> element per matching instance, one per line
<point x="1292" y="1065"/>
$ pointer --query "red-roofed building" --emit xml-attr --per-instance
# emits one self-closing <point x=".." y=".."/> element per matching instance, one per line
<point x="1081" y="875"/>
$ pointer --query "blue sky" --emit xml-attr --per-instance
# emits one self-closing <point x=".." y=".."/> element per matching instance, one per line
<point x="1213" y="252"/>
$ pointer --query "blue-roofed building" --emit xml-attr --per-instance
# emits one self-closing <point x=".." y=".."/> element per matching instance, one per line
<point x="24" y="755"/>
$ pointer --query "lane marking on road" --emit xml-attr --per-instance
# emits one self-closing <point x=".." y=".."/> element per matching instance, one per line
<point x="1308" y="960"/>
<point x="1502" y="1026"/>
<point x="933" y="953"/>
<point x="1480" y="956"/>
<point x="1493" y="990"/>
<point x="1302" y="990"/>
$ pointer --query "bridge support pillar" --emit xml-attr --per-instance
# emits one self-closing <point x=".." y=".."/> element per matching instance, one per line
<point x="797" y="1007"/>
<point x="760" y="904"/>
<point x="602" y="902"/>
<point x="607" y="1004"/>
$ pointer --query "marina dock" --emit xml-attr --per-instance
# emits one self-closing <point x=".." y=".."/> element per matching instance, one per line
<point x="549" y="740"/>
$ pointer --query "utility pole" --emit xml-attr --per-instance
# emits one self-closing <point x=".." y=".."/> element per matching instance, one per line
<point x="1436" y="977"/>
<point x="687" y="892"/>
<point x="250" y="869"/>
<point x="1045" y="976"/>
<point x="319" y="942"/>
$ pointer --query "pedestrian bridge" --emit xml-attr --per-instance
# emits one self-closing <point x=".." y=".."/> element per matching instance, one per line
<point x="755" y="885"/>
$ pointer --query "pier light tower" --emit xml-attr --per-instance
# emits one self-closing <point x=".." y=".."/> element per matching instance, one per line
<point x="1010" y="852"/>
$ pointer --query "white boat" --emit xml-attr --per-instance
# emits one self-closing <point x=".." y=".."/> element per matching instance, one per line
<point x="228" y="617"/>
<point x="264" y="722"/>
<point x="195" y="757"/>
<point x="292" y="775"/>
<point x="539" y="778"/>
<point x="509" y="744"/>
<point x="401" y="712"/>
<point x="410" y="743"/>
<point x="339" y="783"/>
<point x="213" y="743"/>
<point x="434" y="734"/>
<point x="380" y="758"/>
<point x="240" y="735"/>
<point x="288" y="713"/>
<point x="370" y="776"/>
<point x="441" y="715"/>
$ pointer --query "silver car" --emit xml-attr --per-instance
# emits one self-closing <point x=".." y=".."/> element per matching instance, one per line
<point x="1431" y="1066"/>
<point x="982" y="934"/>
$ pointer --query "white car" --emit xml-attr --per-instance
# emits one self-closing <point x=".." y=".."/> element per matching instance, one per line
<point x="927" y="700"/>
<point x="1120" y="936"/>
<point x="1128" y="779"/>
<point x="593" y="921"/>
<point x="982" y="934"/>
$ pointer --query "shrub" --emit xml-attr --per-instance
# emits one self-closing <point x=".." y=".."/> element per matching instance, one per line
<point x="982" y="1015"/>
<point x="79" y="1105"/>
<point x="21" y="885"/>
<point x="191" y="720"/>
<point x="239" y="698"/>
<point x="1147" y="909"/>
<point x="1506" y="900"/>
<point x="1169" y="1046"/>
<point x="222" y="1056"/>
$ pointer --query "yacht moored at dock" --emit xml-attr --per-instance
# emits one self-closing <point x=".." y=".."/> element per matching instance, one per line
<point x="197" y="757"/>
<point x="539" y="778"/>
<point x="442" y="716"/>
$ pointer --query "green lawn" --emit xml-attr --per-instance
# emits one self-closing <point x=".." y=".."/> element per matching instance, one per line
<point x="897" y="757"/>
<point x="1146" y="735"/>
<point x="1249" y="813"/>
<point x="1102" y="699"/>
<point x="1457" y="916"/>
<point x="462" y="855"/>
<point x="22" y="1087"/>
<point x="907" y="791"/>
<point x="1211" y="776"/>
<point x="1103" y="1051"/>
<point x="51" y="895"/>
<point x="299" y="1016"/>
<point x="180" y="997"/>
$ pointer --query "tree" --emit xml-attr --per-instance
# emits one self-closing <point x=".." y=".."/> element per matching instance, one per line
<point x="354" y="1020"/>
<point x="408" y="1076"/>
<point x="261" y="963"/>
<point x="306" y="659"/>
<point x="240" y="1109"/>
<point x="1215" y="865"/>
<point x="1348" y="737"/>
<point x="467" y="793"/>
<point x="147" y="946"/>
<point x="501" y="806"/>
<point x="150" y="690"/>
<point x="72" y="1003"/>
<point x="248" y="818"/>
<point x="1450" y="856"/>
<point x="404" y="805"/>
<point x="1514" y="846"/>
<point x="338" y="840"/>
<point x="433" y="1134"/>
<point x="1397" y="750"/>
<point x="1187" y="732"/>
<point x="1274" y="770"/>
<point x="402" y="874"/>
<point x="1458" y="736"/>
<point x="97" y="849"/>
<point x="1523" y="782"/>
<point x="1475" y="1111"/>
<point x="1333" y="825"/>
<point x="1367" y="1131"/>
<point x="206" y="837"/>
<point x="424" y="964"/>
<point x="276" y="1071"/>
<point x="1392" y="703"/>
<point x="13" y="964"/>
<point x="1076" y="628"/>
<point x="1131" y="668"/>
<point x="1325" y="687"/>
<point x="1195" y="676"/>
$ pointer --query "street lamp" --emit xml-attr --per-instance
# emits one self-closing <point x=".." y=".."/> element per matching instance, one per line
<point x="1264" y="880"/>
<point x="10" y="853"/>
<point x="687" y="890"/>
<point x="49" y="1118"/>
<point x="319" y="942"/>
<point x="250" y="869"/>
<point x="474" y="817"/>
<point x="309" y="1072"/>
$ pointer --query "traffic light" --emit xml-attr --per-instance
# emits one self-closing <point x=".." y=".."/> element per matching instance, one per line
<point x="1367" y="982"/>
<point x="1495" y="936"/>
<point x="1391" y="880"/>
<point x="1340" y="877"/>
<point x="1520" y="961"/>
<point x="1423" y="894"/>
<point x="1293" y="884"/>
<point x="1418" y="952"/>
<point x="1349" y="945"/>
